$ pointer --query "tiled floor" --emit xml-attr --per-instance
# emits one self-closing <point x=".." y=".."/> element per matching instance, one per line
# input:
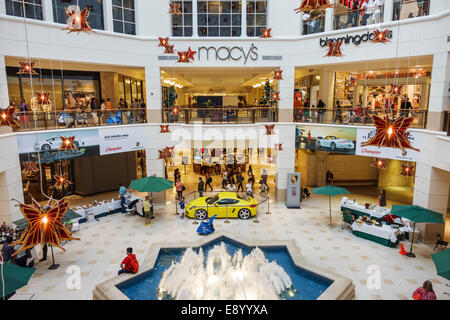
<point x="103" y="245"/>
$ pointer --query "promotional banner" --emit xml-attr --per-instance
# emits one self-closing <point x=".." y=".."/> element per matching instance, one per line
<point x="46" y="145"/>
<point x="364" y="134"/>
<point x="294" y="190"/>
<point x="324" y="138"/>
<point x="113" y="140"/>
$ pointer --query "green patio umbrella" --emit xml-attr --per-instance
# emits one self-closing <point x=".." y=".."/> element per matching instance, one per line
<point x="330" y="191"/>
<point x="442" y="262"/>
<point x="15" y="277"/>
<point x="151" y="184"/>
<point x="416" y="214"/>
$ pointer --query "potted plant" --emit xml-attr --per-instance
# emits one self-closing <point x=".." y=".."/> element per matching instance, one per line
<point x="169" y="102"/>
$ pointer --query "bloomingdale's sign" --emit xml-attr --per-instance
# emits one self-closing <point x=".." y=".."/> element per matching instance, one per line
<point x="229" y="53"/>
<point x="356" y="40"/>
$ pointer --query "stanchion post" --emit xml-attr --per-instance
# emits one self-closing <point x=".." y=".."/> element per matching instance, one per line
<point x="226" y="215"/>
<point x="256" y="217"/>
<point x="268" y="206"/>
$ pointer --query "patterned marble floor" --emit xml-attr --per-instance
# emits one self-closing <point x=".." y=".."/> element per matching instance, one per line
<point x="103" y="245"/>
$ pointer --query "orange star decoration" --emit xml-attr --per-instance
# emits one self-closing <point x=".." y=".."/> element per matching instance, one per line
<point x="381" y="37"/>
<point x="27" y="68"/>
<point x="308" y="5"/>
<point x="265" y="33"/>
<point x="61" y="180"/>
<point x="269" y="129"/>
<point x="275" y="96"/>
<point x="277" y="75"/>
<point x="163" y="42"/>
<point x="169" y="49"/>
<point x="334" y="49"/>
<point x="391" y="135"/>
<point x="278" y="146"/>
<point x="165" y="153"/>
<point x="175" y="8"/>
<point x="379" y="163"/>
<point x="7" y="118"/>
<point x="77" y="20"/>
<point x="175" y="110"/>
<point x="183" y="56"/>
<point x="164" y="128"/>
<point x="45" y="226"/>
<point x="42" y="97"/>
<point x="407" y="171"/>
<point x="67" y="144"/>
<point x="30" y="168"/>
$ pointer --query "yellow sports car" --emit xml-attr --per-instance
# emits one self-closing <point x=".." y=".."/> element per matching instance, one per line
<point x="239" y="206"/>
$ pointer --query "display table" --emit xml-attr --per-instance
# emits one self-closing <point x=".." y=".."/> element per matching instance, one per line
<point x="360" y="210"/>
<point x="384" y="234"/>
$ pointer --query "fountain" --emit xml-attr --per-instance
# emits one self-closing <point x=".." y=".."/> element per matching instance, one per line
<point x="224" y="277"/>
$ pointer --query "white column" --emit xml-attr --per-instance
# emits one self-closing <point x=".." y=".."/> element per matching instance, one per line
<point x="285" y="159"/>
<point x="108" y="15"/>
<point x="329" y="18"/>
<point x="2" y="7"/>
<point x="194" y="19"/>
<point x="301" y="23"/>
<point x="286" y="89"/>
<point x="388" y="10"/>
<point x="244" y="19"/>
<point x="439" y="96"/>
<point x="47" y="8"/>
<point x="153" y="94"/>
<point x="326" y="91"/>
<point x="4" y="95"/>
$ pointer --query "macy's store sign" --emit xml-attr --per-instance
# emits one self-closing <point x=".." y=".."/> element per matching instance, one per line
<point x="228" y="53"/>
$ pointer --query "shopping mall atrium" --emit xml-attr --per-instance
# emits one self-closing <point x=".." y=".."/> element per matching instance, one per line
<point x="225" y="150"/>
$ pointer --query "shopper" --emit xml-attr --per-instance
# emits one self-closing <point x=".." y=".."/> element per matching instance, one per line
<point x="180" y="188"/>
<point x="208" y="181"/>
<point x="382" y="198"/>
<point x="321" y="109"/>
<point x="354" y="14"/>
<point x="200" y="187"/>
<point x="338" y="116"/>
<point x="129" y="264"/>
<point x="108" y="104"/>
<point x="44" y="253"/>
<point x="330" y="177"/>
<point x="307" y="110"/>
<point x="224" y="178"/>
<point x="8" y="250"/>
<point x="377" y="6"/>
<point x="240" y="181"/>
<point x="24" y="108"/>
<point x="122" y="194"/>
<point x="368" y="11"/>
<point x="148" y="210"/>
<point x="251" y="178"/>
<point x="405" y="107"/>
<point x="123" y="105"/>
<point x="425" y="292"/>
<point x="306" y="192"/>
<point x="182" y="205"/>
<point x="231" y="187"/>
<point x="249" y="189"/>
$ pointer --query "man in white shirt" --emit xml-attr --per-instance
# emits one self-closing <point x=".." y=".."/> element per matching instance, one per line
<point x="249" y="189"/>
<point x="377" y="10"/>
<point x="368" y="11"/>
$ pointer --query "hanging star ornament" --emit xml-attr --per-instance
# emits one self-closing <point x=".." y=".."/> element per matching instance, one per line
<point x="174" y="8"/>
<point x="269" y="129"/>
<point x="29" y="168"/>
<point x="175" y="110"/>
<point x="361" y="112"/>
<point x="77" y="20"/>
<point x="190" y="54"/>
<point x="379" y="163"/>
<point x="407" y="170"/>
<point x="165" y="153"/>
<point x="45" y="225"/>
<point x="169" y="49"/>
<point x="42" y="97"/>
<point x="279" y="146"/>
<point x="381" y="36"/>
<point x="8" y="118"/>
<point x="277" y="75"/>
<point x="334" y="49"/>
<point x="391" y="135"/>
<point x="164" y="128"/>
<point x="27" y="68"/>
<point x="67" y="143"/>
<point x="163" y="42"/>
<point x="182" y="57"/>
<point x="308" y="5"/>
<point x="395" y="89"/>
<point x="266" y="33"/>
<point x="275" y="96"/>
<point x="61" y="180"/>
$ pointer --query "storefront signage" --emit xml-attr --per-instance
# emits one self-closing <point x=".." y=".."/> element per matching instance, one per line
<point x="131" y="139"/>
<point x="229" y="53"/>
<point x="356" y="40"/>
<point x="294" y="190"/>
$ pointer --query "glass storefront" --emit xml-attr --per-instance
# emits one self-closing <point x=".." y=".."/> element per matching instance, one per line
<point x="405" y="9"/>
<point x="130" y="89"/>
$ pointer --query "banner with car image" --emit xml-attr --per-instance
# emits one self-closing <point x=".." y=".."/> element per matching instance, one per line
<point x="46" y="145"/>
<point x="125" y="139"/>
<point x="326" y="138"/>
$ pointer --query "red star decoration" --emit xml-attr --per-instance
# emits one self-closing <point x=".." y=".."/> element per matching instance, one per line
<point x="190" y="54"/>
<point x="7" y="118"/>
<point x="379" y="163"/>
<point x="44" y="226"/>
<point x="278" y="146"/>
<point x="166" y="153"/>
<point x="395" y="89"/>
<point x="42" y="97"/>
<point x="169" y="49"/>
<point x="164" y="128"/>
<point x="407" y="171"/>
<point x="175" y="110"/>
<point x="277" y="75"/>
<point x="61" y="180"/>
<point x="77" y="21"/>
<point x="163" y="42"/>
<point x="183" y="56"/>
<point x="27" y="68"/>
<point x="308" y="5"/>
<point x="275" y="96"/>
<point x="30" y="168"/>
<point x="67" y="144"/>
<point x="391" y="135"/>
<point x="334" y="49"/>
<point x="361" y="112"/>
<point x="381" y="37"/>
<point x="265" y="33"/>
<point x="175" y="8"/>
<point x="269" y="129"/>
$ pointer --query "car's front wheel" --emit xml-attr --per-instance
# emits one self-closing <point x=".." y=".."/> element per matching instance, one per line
<point x="333" y="146"/>
<point x="46" y="147"/>
<point x="244" y="214"/>
<point x="201" y="214"/>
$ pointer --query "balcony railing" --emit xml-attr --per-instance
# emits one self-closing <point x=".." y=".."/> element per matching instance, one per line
<point x="314" y="25"/>
<point x="350" y="116"/>
<point x="221" y="115"/>
<point x="356" y="18"/>
<point x="405" y="9"/>
<point x="74" y="119"/>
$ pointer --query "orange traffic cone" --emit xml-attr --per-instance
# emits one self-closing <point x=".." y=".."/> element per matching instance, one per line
<point x="402" y="249"/>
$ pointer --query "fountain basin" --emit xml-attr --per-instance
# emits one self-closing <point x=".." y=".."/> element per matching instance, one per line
<point x="309" y="282"/>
